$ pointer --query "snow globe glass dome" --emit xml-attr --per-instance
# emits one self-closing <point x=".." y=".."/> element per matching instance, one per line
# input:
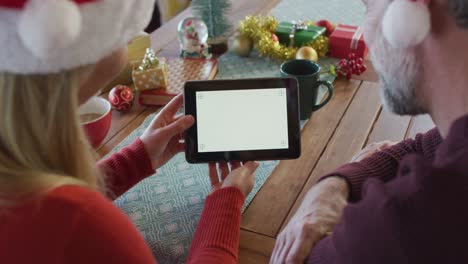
<point x="190" y="29"/>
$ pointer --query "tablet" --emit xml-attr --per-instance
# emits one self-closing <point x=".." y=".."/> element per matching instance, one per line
<point x="242" y="120"/>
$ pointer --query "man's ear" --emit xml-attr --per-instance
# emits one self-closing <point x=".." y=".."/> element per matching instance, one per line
<point x="407" y="23"/>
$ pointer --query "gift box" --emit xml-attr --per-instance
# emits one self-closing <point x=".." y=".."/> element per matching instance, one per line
<point x="154" y="78"/>
<point x="136" y="52"/>
<point x="303" y="33"/>
<point x="151" y="74"/>
<point x="347" y="39"/>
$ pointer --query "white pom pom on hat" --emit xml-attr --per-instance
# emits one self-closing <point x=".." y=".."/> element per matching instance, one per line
<point x="46" y="27"/>
<point x="49" y="36"/>
<point x="407" y="23"/>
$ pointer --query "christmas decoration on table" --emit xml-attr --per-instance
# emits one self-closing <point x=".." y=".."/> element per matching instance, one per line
<point x="151" y="73"/>
<point x="307" y="53"/>
<point x="121" y="98"/>
<point x="349" y="66"/>
<point x="262" y="31"/>
<point x="193" y="36"/>
<point x="242" y="45"/>
<point x="347" y="39"/>
<point x="136" y="52"/>
<point x="214" y="14"/>
<point x="180" y="71"/>
<point x="328" y="25"/>
<point x="298" y="34"/>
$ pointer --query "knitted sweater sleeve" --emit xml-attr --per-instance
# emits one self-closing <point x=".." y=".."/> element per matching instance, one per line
<point x="126" y="168"/>
<point x="366" y="234"/>
<point x="398" y="221"/>
<point x="384" y="164"/>
<point x="217" y="236"/>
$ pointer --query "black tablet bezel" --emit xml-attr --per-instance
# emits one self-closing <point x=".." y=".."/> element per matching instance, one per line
<point x="191" y="143"/>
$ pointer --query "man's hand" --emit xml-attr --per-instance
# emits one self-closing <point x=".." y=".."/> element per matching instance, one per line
<point x="162" y="137"/>
<point x="319" y="212"/>
<point x="241" y="177"/>
<point x="371" y="149"/>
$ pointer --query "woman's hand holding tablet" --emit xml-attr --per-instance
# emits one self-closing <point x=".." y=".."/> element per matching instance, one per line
<point x="239" y="120"/>
<point x="233" y="174"/>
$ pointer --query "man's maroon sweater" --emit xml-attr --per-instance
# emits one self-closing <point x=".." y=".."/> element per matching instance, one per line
<point x="408" y="204"/>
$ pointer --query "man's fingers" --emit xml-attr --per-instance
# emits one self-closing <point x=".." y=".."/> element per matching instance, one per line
<point x="224" y="168"/>
<point x="276" y="251"/>
<point x="178" y="127"/>
<point x="214" y="178"/>
<point x="298" y="252"/>
<point x="283" y="253"/>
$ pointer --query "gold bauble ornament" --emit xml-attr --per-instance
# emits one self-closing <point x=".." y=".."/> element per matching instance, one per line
<point x="242" y="45"/>
<point x="307" y="53"/>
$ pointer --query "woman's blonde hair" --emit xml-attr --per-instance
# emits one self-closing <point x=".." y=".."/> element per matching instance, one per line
<point x="42" y="144"/>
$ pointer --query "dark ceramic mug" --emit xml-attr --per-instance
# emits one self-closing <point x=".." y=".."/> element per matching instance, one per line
<point x="307" y="74"/>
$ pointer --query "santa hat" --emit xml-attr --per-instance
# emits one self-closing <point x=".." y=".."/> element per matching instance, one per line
<point x="46" y="36"/>
<point x="407" y="23"/>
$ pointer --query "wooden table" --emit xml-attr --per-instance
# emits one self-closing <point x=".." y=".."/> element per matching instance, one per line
<point x="352" y="119"/>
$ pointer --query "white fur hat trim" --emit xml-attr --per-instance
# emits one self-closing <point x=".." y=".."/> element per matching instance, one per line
<point x="406" y="23"/>
<point x="48" y="26"/>
<point x="49" y="36"/>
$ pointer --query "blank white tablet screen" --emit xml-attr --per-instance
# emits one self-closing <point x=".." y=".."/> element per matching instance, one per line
<point x="238" y="120"/>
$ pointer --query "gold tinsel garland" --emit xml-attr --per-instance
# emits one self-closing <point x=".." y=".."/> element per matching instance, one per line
<point x="261" y="29"/>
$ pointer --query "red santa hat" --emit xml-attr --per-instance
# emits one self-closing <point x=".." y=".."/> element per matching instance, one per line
<point x="407" y="23"/>
<point x="46" y="36"/>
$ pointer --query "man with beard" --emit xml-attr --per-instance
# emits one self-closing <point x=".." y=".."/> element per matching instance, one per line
<point x="407" y="202"/>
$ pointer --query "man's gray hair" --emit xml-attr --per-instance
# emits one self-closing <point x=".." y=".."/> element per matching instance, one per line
<point x="460" y="11"/>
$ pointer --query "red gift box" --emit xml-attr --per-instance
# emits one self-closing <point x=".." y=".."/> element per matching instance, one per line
<point x="347" y="39"/>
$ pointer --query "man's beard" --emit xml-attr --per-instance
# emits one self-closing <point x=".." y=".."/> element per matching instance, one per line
<point x="399" y="74"/>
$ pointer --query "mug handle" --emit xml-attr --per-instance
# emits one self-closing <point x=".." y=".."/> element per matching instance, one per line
<point x="330" y="94"/>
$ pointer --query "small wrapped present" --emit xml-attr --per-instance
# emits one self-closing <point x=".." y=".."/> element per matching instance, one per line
<point x="347" y="39"/>
<point x="151" y="74"/>
<point x="298" y="34"/>
<point x="136" y="51"/>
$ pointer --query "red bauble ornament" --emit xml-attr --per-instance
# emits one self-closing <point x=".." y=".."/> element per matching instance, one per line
<point x="328" y="25"/>
<point x="121" y="98"/>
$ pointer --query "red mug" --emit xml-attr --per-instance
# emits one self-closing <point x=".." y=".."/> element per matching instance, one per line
<point x="96" y="117"/>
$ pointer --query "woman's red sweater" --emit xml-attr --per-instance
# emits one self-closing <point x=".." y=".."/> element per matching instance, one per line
<point x="72" y="224"/>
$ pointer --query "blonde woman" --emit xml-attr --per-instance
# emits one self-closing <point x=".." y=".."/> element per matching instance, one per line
<point x="54" y="200"/>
